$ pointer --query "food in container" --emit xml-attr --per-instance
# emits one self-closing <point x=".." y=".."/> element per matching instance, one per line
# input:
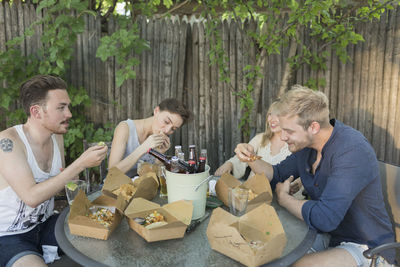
<point x="102" y="215"/>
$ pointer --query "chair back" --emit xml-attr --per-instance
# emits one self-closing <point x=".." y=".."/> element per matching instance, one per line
<point x="93" y="180"/>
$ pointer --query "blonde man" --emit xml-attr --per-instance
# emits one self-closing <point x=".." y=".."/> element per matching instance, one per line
<point x="339" y="170"/>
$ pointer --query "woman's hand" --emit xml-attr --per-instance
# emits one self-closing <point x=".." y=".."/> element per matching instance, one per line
<point x="156" y="141"/>
<point x="165" y="146"/>
<point x="227" y="167"/>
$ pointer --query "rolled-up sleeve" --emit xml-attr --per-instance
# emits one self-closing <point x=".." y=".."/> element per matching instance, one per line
<point x="283" y="170"/>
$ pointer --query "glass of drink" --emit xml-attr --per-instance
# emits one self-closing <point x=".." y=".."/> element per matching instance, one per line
<point x="238" y="198"/>
<point x="163" y="181"/>
<point x="72" y="188"/>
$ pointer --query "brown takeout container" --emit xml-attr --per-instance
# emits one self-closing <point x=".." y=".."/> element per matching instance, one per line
<point x="258" y="183"/>
<point x="177" y="214"/>
<point x="252" y="239"/>
<point x="80" y="224"/>
<point x="146" y="185"/>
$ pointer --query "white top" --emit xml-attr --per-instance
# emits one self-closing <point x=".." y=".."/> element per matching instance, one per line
<point x="17" y="217"/>
<point x="239" y="167"/>
<point x="132" y="144"/>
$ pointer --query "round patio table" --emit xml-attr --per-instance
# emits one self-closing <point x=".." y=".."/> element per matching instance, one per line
<point x="126" y="248"/>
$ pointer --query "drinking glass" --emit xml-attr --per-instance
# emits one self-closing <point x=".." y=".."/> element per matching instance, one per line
<point x="72" y="189"/>
<point x="238" y="198"/>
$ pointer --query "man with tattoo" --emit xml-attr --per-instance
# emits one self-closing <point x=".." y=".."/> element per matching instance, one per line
<point x="31" y="160"/>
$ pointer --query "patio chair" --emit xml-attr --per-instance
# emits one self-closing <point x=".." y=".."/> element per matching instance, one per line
<point x="102" y="167"/>
<point x="390" y="176"/>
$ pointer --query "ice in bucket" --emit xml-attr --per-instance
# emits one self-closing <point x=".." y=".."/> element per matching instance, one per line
<point x="182" y="186"/>
<point x="72" y="189"/>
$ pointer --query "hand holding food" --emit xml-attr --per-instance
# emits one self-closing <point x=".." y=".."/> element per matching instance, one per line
<point x="244" y="152"/>
<point x="165" y="146"/>
<point x="101" y="143"/>
<point x="155" y="141"/>
<point x="93" y="156"/>
<point x="254" y="157"/>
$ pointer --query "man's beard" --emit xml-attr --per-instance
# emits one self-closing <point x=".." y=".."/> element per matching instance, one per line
<point x="61" y="129"/>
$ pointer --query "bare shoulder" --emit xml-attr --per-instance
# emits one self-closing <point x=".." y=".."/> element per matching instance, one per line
<point x="121" y="132"/>
<point x="10" y="141"/>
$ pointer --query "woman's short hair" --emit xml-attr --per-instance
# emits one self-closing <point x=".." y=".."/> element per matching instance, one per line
<point x="175" y="106"/>
<point x="34" y="91"/>
<point x="308" y="105"/>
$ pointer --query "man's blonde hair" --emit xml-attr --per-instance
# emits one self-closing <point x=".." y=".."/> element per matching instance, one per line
<point x="307" y="104"/>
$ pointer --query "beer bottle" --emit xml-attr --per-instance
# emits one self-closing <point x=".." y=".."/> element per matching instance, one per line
<point x="183" y="166"/>
<point x="161" y="157"/>
<point x="192" y="158"/>
<point x="181" y="156"/>
<point x="202" y="160"/>
<point x="175" y="164"/>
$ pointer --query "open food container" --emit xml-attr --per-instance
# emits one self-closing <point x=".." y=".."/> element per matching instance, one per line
<point x="175" y="218"/>
<point x="96" y="219"/>
<point x="252" y="239"/>
<point x="117" y="183"/>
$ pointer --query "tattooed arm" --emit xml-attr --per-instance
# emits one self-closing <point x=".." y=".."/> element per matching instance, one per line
<point x="16" y="172"/>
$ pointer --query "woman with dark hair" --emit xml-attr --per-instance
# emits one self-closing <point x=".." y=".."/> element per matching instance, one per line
<point x="133" y="138"/>
<point x="267" y="145"/>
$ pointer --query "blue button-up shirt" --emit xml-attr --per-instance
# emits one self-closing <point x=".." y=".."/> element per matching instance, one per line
<point x="346" y="192"/>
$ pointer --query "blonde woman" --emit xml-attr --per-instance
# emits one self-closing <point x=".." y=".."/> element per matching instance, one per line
<point x="267" y="145"/>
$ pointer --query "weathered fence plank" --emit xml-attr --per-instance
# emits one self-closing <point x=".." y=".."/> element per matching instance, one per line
<point x="364" y="92"/>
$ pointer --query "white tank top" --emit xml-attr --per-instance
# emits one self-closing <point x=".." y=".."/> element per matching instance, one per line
<point x="15" y="216"/>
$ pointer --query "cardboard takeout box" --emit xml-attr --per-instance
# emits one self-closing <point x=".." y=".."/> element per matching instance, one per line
<point x="80" y="224"/>
<point x="252" y="239"/>
<point x="259" y="184"/>
<point x="146" y="185"/>
<point x="177" y="214"/>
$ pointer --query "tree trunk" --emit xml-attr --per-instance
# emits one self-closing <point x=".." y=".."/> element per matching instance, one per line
<point x="287" y="75"/>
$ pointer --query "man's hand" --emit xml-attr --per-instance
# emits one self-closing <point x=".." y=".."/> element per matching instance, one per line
<point x="93" y="156"/>
<point x="283" y="190"/>
<point x="244" y="152"/>
<point x="224" y="168"/>
<point x="295" y="186"/>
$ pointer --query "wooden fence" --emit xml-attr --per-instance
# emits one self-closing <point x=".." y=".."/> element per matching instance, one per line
<point x="363" y="92"/>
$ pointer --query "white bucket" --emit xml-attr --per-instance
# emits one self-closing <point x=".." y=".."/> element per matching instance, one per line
<point x="182" y="186"/>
